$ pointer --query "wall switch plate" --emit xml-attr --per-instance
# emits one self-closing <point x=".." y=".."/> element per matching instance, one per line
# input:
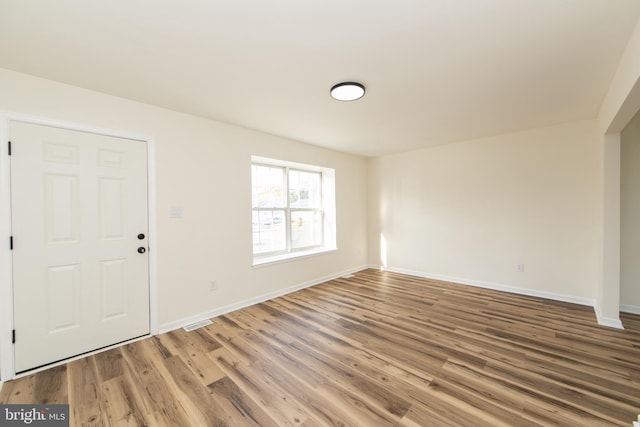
<point x="176" y="212"/>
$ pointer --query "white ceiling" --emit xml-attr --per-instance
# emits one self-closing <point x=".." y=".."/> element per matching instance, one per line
<point x="436" y="71"/>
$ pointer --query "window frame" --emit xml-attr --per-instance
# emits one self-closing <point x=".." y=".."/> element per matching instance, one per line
<point x="326" y="220"/>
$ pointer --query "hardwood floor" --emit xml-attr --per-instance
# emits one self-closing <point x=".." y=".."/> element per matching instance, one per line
<point x="374" y="350"/>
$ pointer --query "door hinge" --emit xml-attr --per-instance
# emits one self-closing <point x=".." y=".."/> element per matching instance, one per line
<point x="10" y="242"/>
<point x="13" y="336"/>
<point x="9" y="147"/>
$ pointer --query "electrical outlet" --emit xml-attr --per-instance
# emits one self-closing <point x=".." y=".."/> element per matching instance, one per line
<point x="520" y="268"/>
<point x="213" y="285"/>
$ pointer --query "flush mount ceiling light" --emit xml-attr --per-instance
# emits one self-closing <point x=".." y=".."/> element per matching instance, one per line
<point x="347" y="91"/>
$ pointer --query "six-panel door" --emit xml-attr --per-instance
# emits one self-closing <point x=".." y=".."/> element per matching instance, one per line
<point x="79" y="208"/>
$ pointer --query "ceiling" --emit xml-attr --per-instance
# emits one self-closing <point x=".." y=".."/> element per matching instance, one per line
<point x="436" y="71"/>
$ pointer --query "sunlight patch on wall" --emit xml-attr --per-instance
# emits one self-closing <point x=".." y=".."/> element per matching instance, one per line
<point x="383" y="250"/>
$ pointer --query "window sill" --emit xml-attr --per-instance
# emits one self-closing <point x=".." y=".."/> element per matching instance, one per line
<point x="277" y="259"/>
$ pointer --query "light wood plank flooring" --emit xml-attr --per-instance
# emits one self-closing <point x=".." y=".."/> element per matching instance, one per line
<point x="379" y="349"/>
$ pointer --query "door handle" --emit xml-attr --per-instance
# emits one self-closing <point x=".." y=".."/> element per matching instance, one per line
<point x="141" y="250"/>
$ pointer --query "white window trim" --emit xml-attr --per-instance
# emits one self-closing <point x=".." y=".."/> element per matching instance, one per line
<point x="328" y="209"/>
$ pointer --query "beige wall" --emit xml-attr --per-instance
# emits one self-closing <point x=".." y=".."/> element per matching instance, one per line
<point x="474" y="210"/>
<point x="204" y="166"/>
<point x="630" y="216"/>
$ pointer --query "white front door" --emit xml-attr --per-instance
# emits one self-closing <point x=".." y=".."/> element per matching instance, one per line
<point x="80" y="233"/>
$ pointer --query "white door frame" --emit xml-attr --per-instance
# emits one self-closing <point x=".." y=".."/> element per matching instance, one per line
<point x="7" y="367"/>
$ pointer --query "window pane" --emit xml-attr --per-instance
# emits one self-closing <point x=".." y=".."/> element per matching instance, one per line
<point x="304" y="189"/>
<point x="269" y="231"/>
<point x="267" y="186"/>
<point x="306" y="229"/>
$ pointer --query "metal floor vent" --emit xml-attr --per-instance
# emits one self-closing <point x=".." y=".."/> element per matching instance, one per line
<point x="197" y="325"/>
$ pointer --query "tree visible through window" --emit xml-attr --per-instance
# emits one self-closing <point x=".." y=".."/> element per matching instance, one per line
<point x="288" y="209"/>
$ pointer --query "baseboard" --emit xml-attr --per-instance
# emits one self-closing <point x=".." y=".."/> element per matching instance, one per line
<point x="602" y="321"/>
<point x="170" y="326"/>
<point x="496" y="287"/>
<point x="632" y="309"/>
<point x="611" y="322"/>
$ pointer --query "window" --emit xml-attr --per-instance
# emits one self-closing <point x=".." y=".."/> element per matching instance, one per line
<point x="293" y="209"/>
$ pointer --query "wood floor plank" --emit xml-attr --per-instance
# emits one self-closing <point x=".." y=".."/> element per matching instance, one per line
<point x="239" y="405"/>
<point x="19" y="391"/>
<point x="197" y="360"/>
<point x="84" y="391"/>
<point x="196" y="394"/>
<point x="109" y="364"/>
<point x="441" y="415"/>
<point x="523" y="403"/>
<point x="156" y="394"/>
<point x="275" y="400"/>
<point x="51" y="387"/>
<point x="580" y="400"/>
<point x="122" y="403"/>
<point x="194" y="342"/>
<point x="376" y="349"/>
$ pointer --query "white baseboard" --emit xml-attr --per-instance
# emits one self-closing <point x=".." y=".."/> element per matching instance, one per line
<point x="170" y="326"/>
<point x="496" y="287"/>
<point x="611" y="322"/>
<point x="632" y="309"/>
<point x="603" y="321"/>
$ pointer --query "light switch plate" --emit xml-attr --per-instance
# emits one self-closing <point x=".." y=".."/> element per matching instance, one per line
<point x="176" y="212"/>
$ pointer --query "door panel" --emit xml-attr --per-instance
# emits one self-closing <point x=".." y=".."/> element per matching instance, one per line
<point x="79" y="200"/>
<point x="62" y="294"/>
<point x="113" y="279"/>
<point x="61" y="208"/>
<point x="112" y="209"/>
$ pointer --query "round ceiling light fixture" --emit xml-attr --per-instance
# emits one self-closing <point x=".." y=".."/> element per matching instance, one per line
<point x="347" y="91"/>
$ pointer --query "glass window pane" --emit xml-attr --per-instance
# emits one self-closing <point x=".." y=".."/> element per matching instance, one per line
<point x="269" y="231"/>
<point x="304" y="189"/>
<point x="267" y="186"/>
<point x="306" y="229"/>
